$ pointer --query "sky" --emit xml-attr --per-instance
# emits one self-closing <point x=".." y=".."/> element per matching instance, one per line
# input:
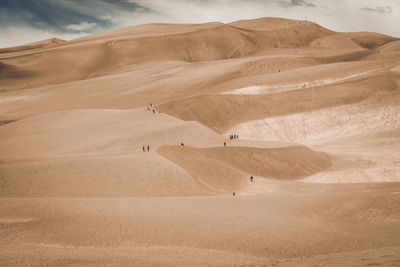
<point x="25" y="21"/>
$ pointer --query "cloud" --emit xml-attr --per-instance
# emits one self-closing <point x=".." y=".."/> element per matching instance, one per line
<point x="65" y="16"/>
<point x="379" y="9"/>
<point x="83" y="26"/>
<point x="294" y="3"/>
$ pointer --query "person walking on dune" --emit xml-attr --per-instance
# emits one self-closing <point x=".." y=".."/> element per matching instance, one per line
<point x="148" y="148"/>
<point x="251" y="178"/>
<point x="234" y="194"/>
<point x="144" y="150"/>
<point x="224" y="143"/>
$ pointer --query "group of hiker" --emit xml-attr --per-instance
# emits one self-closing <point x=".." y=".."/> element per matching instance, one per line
<point x="151" y="108"/>
<point x="148" y="147"/>
<point x="233" y="136"/>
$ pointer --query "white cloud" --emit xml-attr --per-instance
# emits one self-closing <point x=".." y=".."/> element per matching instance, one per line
<point x="80" y="27"/>
<point x="379" y="9"/>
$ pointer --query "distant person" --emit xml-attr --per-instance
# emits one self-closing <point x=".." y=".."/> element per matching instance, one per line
<point x="148" y="148"/>
<point x="251" y="178"/>
<point x="234" y="194"/>
<point x="154" y="111"/>
<point x="231" y="137"/>
<point x="144" y="150"/>
<point x="224" y="143"/>
<point x="182" y="144"/>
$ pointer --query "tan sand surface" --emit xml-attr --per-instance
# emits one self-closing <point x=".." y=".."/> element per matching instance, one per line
<point x="317" y="114"/>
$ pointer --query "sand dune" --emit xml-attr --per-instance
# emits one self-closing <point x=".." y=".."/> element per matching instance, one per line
<point x="119" y="51"/>
<point x="278" y="228"/>
<point x="237" y="164"/>
<point x="44" y="156"/>
<point x="33" y="46"/>
<point x="316" y="112"/>
<point x="101" y="132"/>
<point x="223" y="111"/>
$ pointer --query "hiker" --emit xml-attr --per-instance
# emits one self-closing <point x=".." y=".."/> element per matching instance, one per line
<point x="224" y="143"/>
<point x="182" y="144"/>
<point x="148" y="148"/>
<point x="154" y="111"/>
<point x="230" y="137"/>
<point x="251" y="178"/>
<point x="144" y="150"/>
<point x="234" y="193"/>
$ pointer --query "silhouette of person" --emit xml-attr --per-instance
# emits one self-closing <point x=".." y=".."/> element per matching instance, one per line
<point x="144" y="150"/>
<point x="251" y="178"/>
<point x="224" y="143"/>
<point x="154" y="111"/>
<point x="234" y="193"/>
<point x="182" y="144"/>
<point x="148" y="148"/>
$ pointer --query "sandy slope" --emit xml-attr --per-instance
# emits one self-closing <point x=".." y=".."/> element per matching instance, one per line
<point x="317" y="114"/>
<point x="256" y="229"/>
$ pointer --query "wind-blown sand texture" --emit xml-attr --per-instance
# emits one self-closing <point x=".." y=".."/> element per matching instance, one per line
<point x="318" y="118"/>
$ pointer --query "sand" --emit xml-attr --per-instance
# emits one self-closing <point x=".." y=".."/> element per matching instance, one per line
<point x="318" y="118"/>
